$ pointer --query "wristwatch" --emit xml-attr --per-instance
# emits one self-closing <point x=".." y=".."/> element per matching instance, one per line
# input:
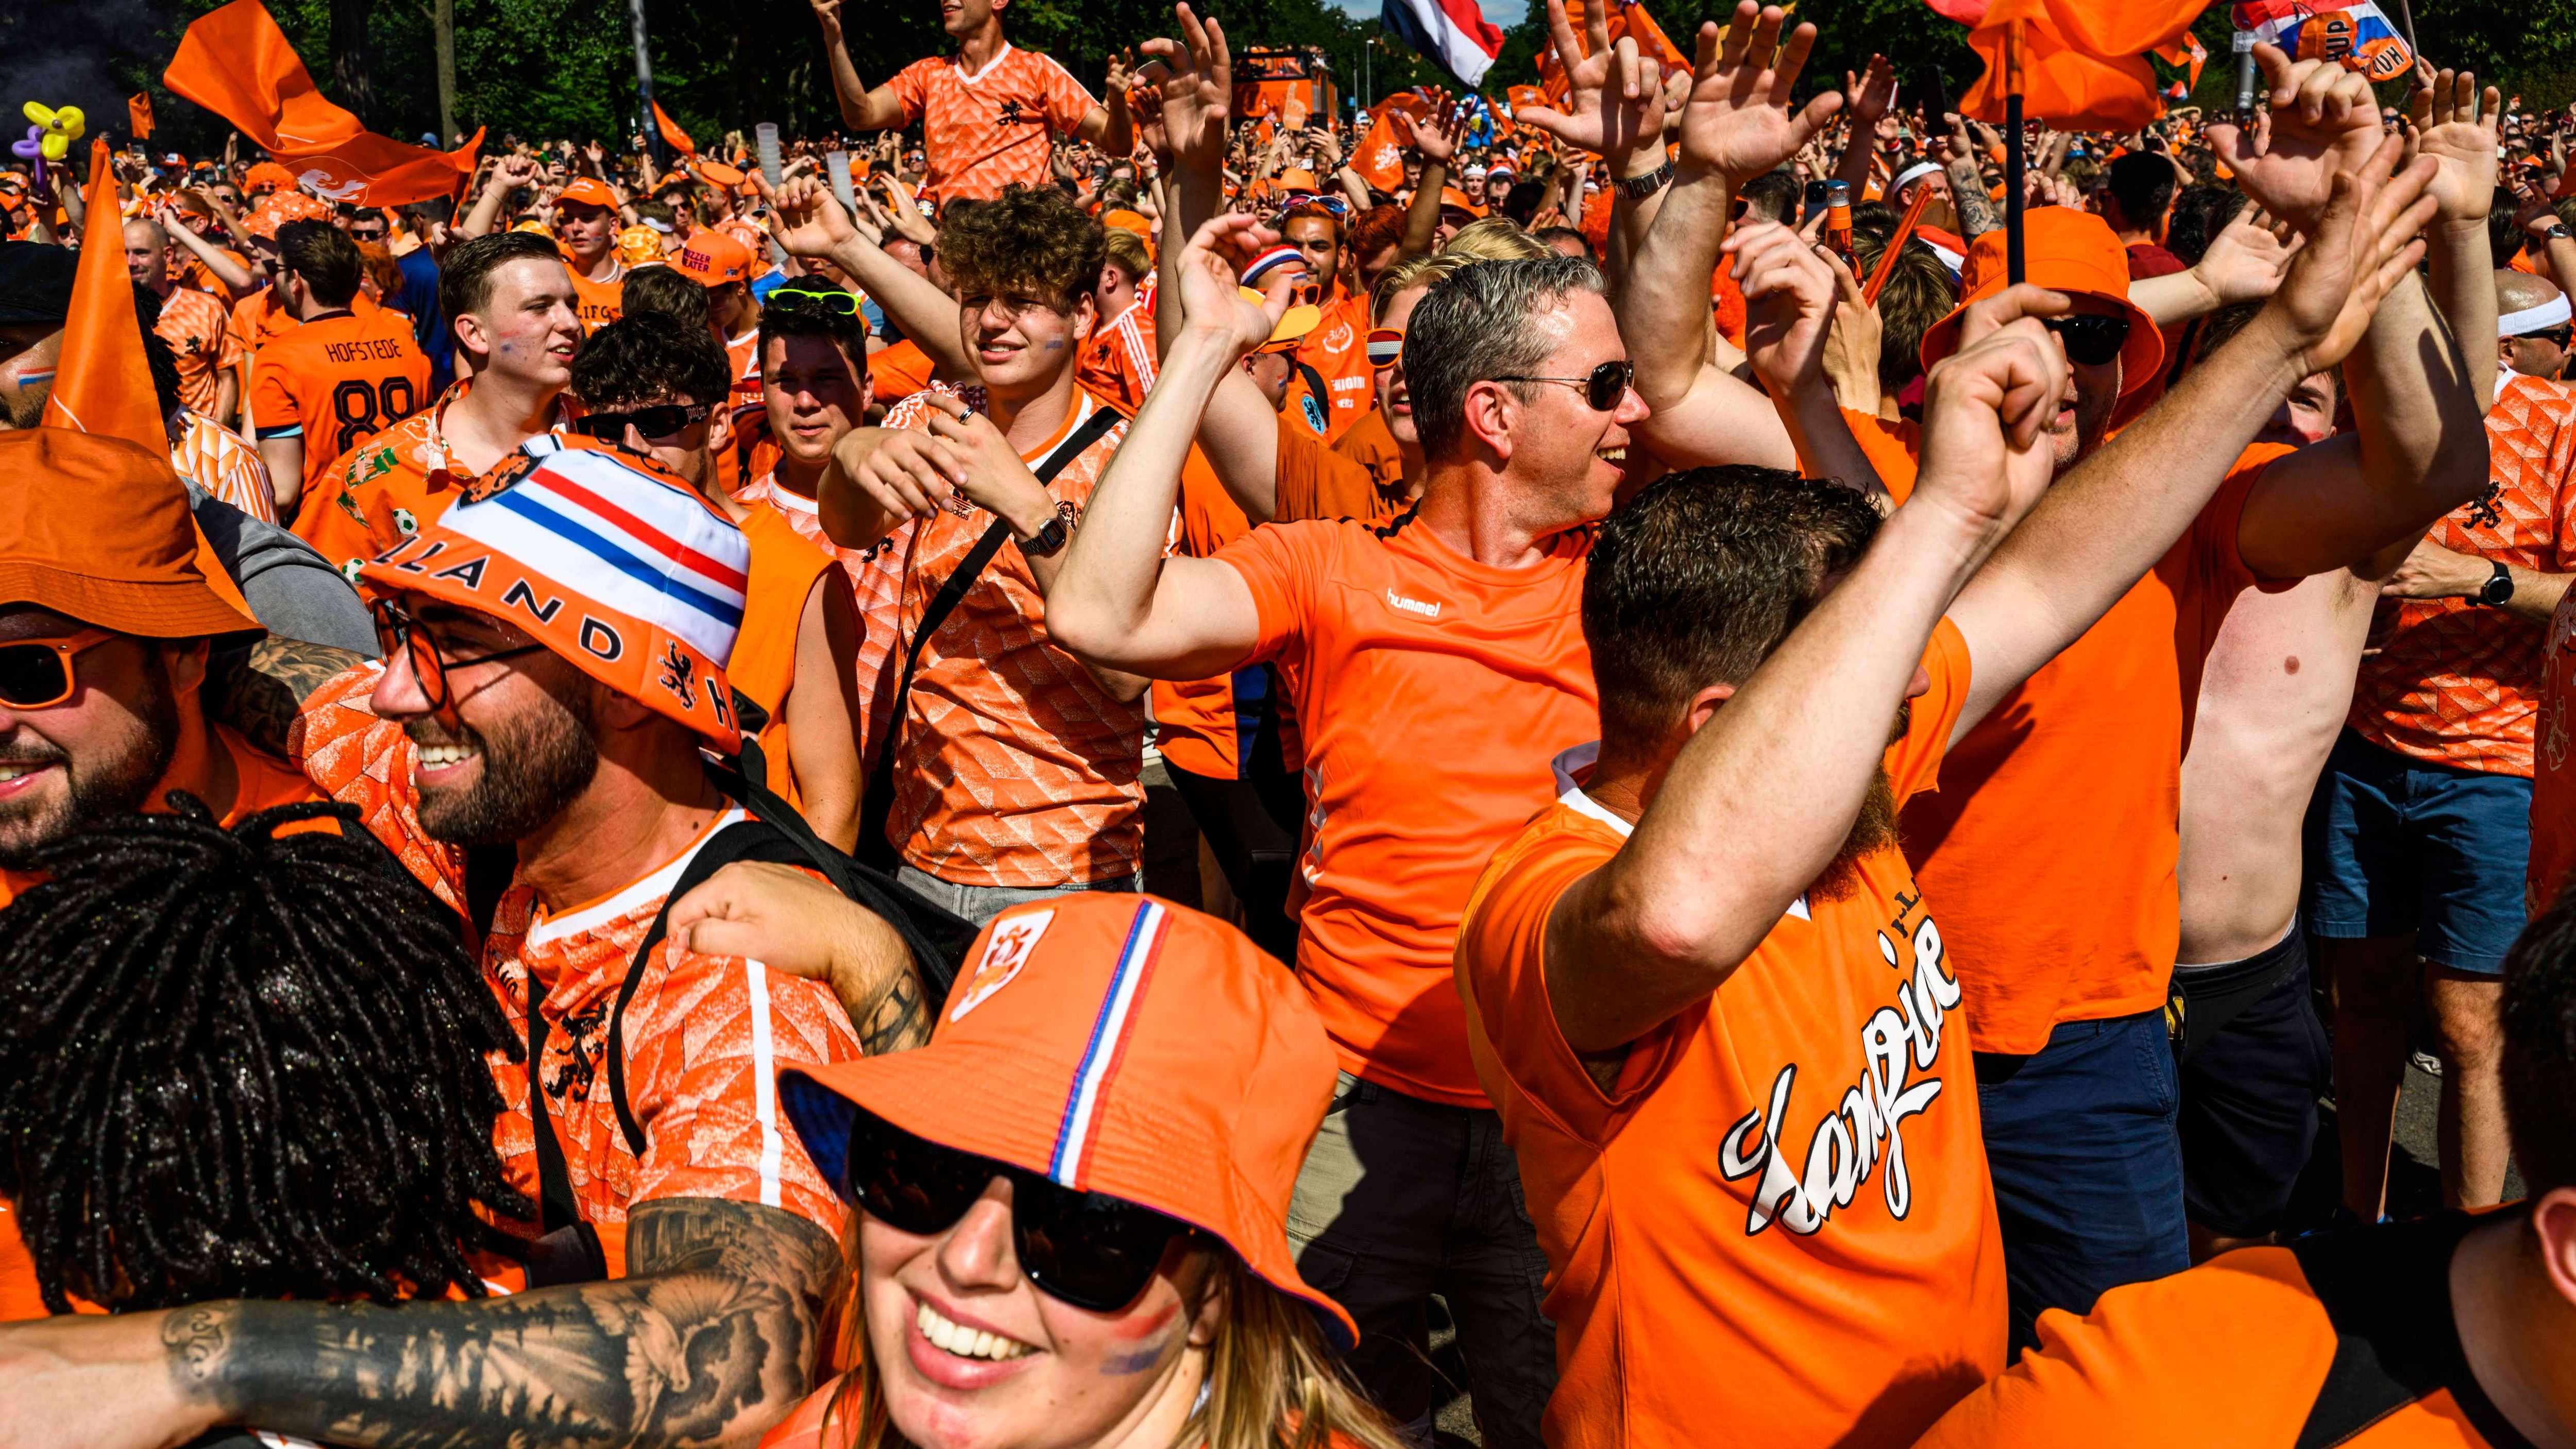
<point x="1637" y="188"/>
<point x="2498" y="588"/>
<point x="1052" y="537"/>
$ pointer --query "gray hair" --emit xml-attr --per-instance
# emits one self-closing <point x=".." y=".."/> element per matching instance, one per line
<point x="1478" y="324"/>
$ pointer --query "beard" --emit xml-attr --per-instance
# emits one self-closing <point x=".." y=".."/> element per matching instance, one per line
<point x="535" y="764"/>
<point x="123" y="781"/>
<point x="27" y="409"/>
<point x="1873" y="830"/>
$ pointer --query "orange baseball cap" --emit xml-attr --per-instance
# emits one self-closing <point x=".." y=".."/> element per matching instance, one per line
<point x="1116" y="1044"/>
<point x="99" y="530"/>
<point x="605" y="559"/>
<point x="1297" y="178"/>
<point x="712" y="258"/>
<point x="1451" y="196"/>
<point x="2064" y="250"/>
<point x="587" y="191"/>
<point x="718" y="173"/>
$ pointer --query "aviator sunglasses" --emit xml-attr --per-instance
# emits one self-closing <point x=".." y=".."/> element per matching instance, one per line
<point x="1602" y="387"/>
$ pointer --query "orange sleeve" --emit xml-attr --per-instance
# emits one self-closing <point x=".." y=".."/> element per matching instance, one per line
<point x="2237" y="1342"/>
<point x="1914" y="762"/>
<point x="1067" y="102"/>
<point x="1316" y="482"/>
<point x="1281" y="563"/>
<point x="911" y="86"/>
<point x="1892" y="449"/>
<point x="272" y="391"/>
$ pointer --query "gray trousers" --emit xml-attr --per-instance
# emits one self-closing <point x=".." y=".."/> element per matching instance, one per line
<point x="981" y="904"/>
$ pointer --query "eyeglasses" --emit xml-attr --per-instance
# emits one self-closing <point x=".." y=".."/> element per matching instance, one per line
<point x="835" y="300"/>
<point x="1011" y="307"/>
<point x="1084" y="1248"/>
<point x="1386" y="346"/>
<point x="399" y="633"/>
<point x="37" y="673"/>
<point x="661" y="421"/>
<point x="2089" y="340"/>
<point x="1602" y="387"/>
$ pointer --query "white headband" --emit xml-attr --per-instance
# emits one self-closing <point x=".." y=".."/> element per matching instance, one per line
<point x="1918" y="169"/>
<point x="2533" y="319"/>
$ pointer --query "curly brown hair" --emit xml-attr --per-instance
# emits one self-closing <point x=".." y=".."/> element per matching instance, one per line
<point x="1030" y="239"/>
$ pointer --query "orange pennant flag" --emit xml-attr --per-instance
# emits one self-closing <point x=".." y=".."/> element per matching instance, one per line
<point x="103" y="384"/>
<point x="2062" y="84"/>
<point x="236" y="63"/>
<point x="1628" y="20"/>
<point x="671" y="133"/>
<point x="1379" y="158"/>
<point x="138" y="115"/>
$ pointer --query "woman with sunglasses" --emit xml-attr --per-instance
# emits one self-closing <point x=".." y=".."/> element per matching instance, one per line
<point x="1071" y="1205"/>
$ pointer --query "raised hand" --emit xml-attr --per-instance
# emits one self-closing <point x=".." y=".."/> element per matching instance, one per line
<point x="2363" y="244"/>
<point x="1789" y="301"/>
<point x="2247" y="259"/>
<point x="808" y="220"/>
<point x="1212" y="299"/>
<point x="1987" y="409"/>
<point x="1738" y="121"/>
<point x="1435" y="134"/>
<point x="1869" y="97"/>
<point x="2450" y="127"/>
<point x="1613" y="100"/>
<point x="2323" y="122"/>
<point x="1196" y="85"/>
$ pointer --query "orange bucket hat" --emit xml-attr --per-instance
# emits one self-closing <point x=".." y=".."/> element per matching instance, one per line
<point x="2064" y="250"/>
<point x="1114" y="1044"/>
<point x="605" y="559"/>
<point x="97" y="528"/>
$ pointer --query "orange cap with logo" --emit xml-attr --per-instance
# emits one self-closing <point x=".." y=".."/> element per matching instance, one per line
<point x="587" y="191"/>
<point x="712" y="258"/>
<point x="2064" y="250"/>
<point x="1116" y="1044"/>
<point x="97" y="528"/>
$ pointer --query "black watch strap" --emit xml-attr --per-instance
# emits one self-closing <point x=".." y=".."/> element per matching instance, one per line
<point x="2498" y="587"/>
<point x="1638" y="188"/>
<point x="1050" y="538"/>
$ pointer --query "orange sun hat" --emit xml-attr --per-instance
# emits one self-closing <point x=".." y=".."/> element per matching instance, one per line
<point x="99" y="530"/>
<point x="2064" y="250"/>
<point x="1116" y="1044"/>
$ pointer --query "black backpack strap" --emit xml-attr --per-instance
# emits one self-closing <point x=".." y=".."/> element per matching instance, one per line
<point x="488" y="871"/>
<point x="569" y="1250"/>
<point x="2387" y="1291"/>
<point x="877" y="805"/>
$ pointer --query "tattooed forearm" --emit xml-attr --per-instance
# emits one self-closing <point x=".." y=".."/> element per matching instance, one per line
<point x="1968" y="198"/>
<point x="900" y="1021"/>
<point x="261" y="692"/>
<point x="710" y="1341"/>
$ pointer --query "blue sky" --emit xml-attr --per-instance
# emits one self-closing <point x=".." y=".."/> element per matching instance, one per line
<point x="1505" y="13"/>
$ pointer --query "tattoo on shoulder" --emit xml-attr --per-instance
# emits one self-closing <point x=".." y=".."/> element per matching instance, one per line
<point x="711" y="1338"/>
<point x="262" y="690"/>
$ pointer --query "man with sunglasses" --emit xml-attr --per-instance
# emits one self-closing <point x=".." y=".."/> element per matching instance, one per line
<point x="556" y="655"/>
<point x="1337" y="349"/>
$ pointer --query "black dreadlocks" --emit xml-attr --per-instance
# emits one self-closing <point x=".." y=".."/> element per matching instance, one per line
<point x="244" y="1064"/>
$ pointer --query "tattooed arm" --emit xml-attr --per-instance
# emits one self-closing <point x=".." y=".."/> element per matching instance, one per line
<point x="711" y="1342"/>
<point x="789" y="921"/>
<point x="261" y="691"/>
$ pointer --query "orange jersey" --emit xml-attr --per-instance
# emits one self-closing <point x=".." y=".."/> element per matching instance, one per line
<point x="196" y="276"/>
<point x="599" y="303"/>
<point x="1892" y="446"/>
<point x="262" y="318"/>
<point x="1338" y="351"/>
<point x="2052" y="844"/>
<point x="386" y="488"/>
<point x="1787" y="1178"/>
<point x="1370" y="445"/>
<point x="1021" y="770"/>
<point x="2453" y="681"/>
<point x="2553" y="781"/>
<point x="217" y="460"/>
<point x="898" y="370"/>
<point x="336" y="381"/>
<point x="199" y="330"/>
<point x="1430" y="690"/>
<point x="991" y="129"/>
<point x="2344" y="1339"/>
<point x="784" y="567"/>
<point x="876" y="583"/>
<point x="1118" y="362"/>
<point x="1205" y="726"/>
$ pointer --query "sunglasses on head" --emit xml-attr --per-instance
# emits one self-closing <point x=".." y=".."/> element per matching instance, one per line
<point x="662" y="420"/>
<point x="829" y="299"/>
<point x="1602" y="387"/>
<point x="36" y="673"/>
<point x="1386" y="347"/>
<point x="2089" y="340"/>
<point x="1088" y="1249"/>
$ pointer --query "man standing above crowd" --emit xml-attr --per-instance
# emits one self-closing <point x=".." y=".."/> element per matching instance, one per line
<point x="990" y="114"/>
<point x="198" y="328"/>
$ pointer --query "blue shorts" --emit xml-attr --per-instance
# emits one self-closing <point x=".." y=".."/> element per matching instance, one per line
<point x="2400" y="846"/>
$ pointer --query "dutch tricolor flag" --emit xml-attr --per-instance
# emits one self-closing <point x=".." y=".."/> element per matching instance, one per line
<point x="1453" y="32"/>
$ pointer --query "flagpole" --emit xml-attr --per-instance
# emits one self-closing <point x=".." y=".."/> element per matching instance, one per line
<point x="644" y="80"/>
<point x="2013" y="271"/>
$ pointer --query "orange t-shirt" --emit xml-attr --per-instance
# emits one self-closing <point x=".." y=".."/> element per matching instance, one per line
<point x="1019" y="768"/>
<point x="261" y="318"/>
<point x="898" y="370"/>
<point x="1430" y="690"/>
<point x="1338" y="351"/>
<point x="1370" y="445"/>
<point x="199" y="330"/>
<point x="1892" y="445"/>
<point x="1778" y="1219"/>
<point x="2345" y="1339"/>
<point x="599" y="303"/>
<point x="388" y="487"/>
<point x="198" y="277"/>
<point x="986" y="131"/>
<point x="2456" y="682"/>
<point x="784" y="567"/>
<point x="2553" y="784"/>
<point x="1726" y="304"/>
<point x="1206" y="726"/>
<point x="2052" y="850"/>
<point x="1117" y="363"/>
<point x="876" y="583"/>
<point x="336" y="381"/>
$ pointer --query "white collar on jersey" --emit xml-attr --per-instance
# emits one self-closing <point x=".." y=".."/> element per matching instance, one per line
<point x="999" y="56"/>
<point x="1573" y="797"/>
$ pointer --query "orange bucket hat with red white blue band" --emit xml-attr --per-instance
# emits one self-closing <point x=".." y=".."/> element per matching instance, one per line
<point x="1115" y="1044"/>
<point x="605" y="559"/>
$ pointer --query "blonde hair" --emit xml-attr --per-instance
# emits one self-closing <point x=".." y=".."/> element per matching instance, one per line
<point x="1271" y="1384"/>
<point x="1495" y="239"/>
<point x="1126" y="251"/>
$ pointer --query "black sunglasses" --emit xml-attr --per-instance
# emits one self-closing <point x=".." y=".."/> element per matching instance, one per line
<point x="397" y="632"/>
<point x="2089" y="340"/>
<point x="1602" y="387"/>
<point x="1088" y="1249"/>
<point x="660" y="421"/>
<point x="2557" y="336"/>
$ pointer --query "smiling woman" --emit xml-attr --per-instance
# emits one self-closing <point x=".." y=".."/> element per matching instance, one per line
<point x="1096" y="1253"/>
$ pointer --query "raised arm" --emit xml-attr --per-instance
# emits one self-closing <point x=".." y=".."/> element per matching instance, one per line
<point x="861" y="109"/>
<point x="236" y="278"/>
<point x="2108" y="522"/>
<point x="508" y="175"/>
<point x="1867" y="98"/>
<point x="1793" y="298"/>
<point x="1737" y="124"/>
<point x="1762" y="795"/>
<point x="808" y="222"/>
<point x="2244" y="263"/>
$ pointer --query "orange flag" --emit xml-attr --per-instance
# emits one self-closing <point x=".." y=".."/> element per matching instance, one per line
<point x="2062" y="84"/>
<point x="236" y="63"/>
<point x="678" y="139"/>
<point x="103" y="385"/>
<point x="1629" y="20"/>
<point x="1379" y="158"/>
<point x="138" y="115"/>
<point x="2110" y="29"/>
